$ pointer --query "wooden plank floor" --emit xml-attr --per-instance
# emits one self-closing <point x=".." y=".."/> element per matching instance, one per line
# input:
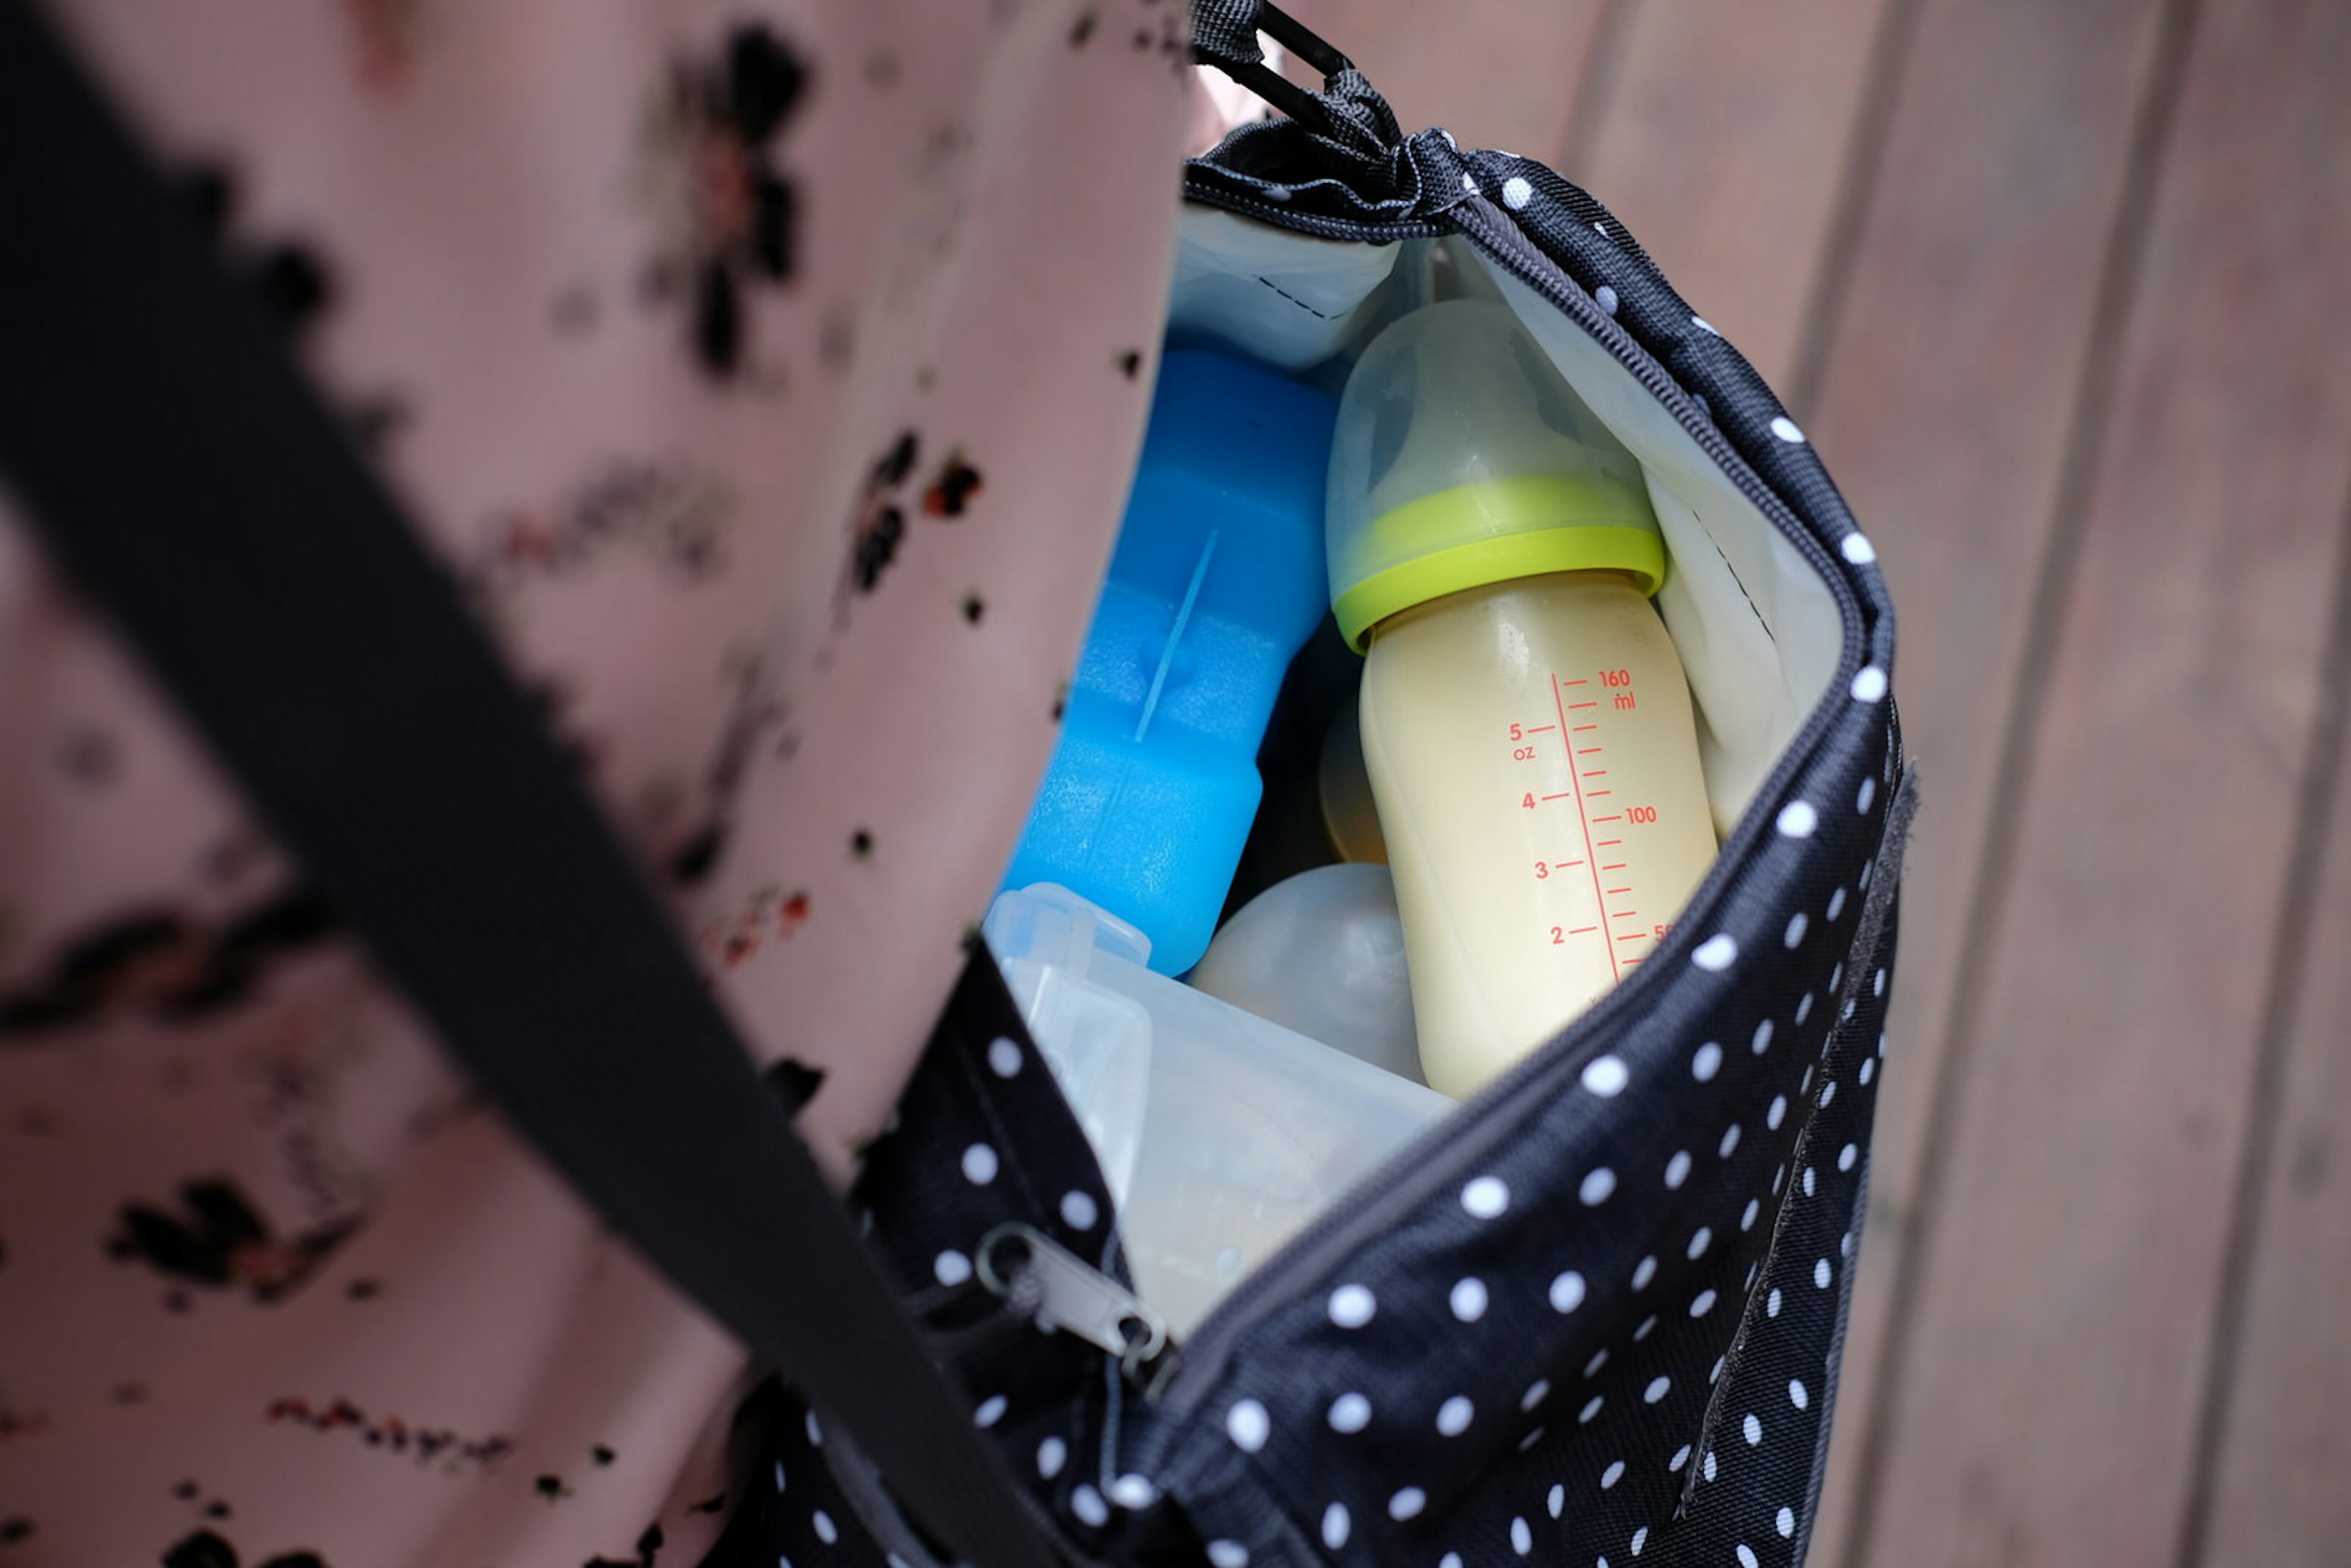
<point x="2057" y="287"/>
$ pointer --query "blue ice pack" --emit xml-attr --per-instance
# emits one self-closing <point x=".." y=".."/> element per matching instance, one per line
<point x="1216" y="581"/>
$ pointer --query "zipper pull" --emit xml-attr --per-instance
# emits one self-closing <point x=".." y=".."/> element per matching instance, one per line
<point x="1045" y="1281"/>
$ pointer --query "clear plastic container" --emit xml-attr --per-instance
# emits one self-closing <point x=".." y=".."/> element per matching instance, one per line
<point x="1526" y="725"/>
<point x="1243" y="1130"/>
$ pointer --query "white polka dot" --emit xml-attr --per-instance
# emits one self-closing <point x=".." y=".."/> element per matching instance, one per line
<point x="1248" y="1425"/>
<point x="1861" y="881"/>
<point x="1522" y="1540"/>
<point x="1787" y="430"/>
<point x="1714" y="1373"/>
<point x="1821" y="1273"/>
<point x="979" y="1165"/>
<point x="1762" y="1042"/>
<point x="1567" y="1291"/>
<point x="1828" y="1093"/>
<point x="1730" y="1141"/>
<point x="1051" y="1455"/>
<point x="1798" y="819"/>
<point x="1877" y="984"/>
<point x="1611" y="1475"/>
<point x="1349" y="1413"/>
<point x="1517" y="193"/>
<point x="1453" y="1416"/>
<point x="1747" y="1216"/>
<point x="1777" y="1177"/>
<point x="1866" y="796"/>
<point x="1858" y="549"/>
<point x="826" y="1530"/>
<point x="1772" y="1306"/>
<point x="1004" y="1056"/>
<point x="1785" y="1523"/>
<point x="1531" y="1440"/>
<point x="1598" y="1183"/>
<point x="1777" y="1114"/>
<point x="1699" y="1240"/>
<point x="1643" y="1272"/>
<point x="1681" y="1457"/>
<point x="1705" y="326"/>
<point x="1845" y="1246"/>
<point x="1640" y="1539"/>
<point x="1647" y="1325"/>
<point x="1808" y="1181"/>
<point x="1707" y="1063"/>
<point x="1228" y="1554"/>
<point x="1450" y="1560"/>
<point x="1870" y="684"/>
<point x="1678" y="1169"/>
<point x="1716" y="952"/>
<point x="1591" y="1408"/>
<point x="991" y="1411"/>
<point x="815" y="1431"/>
<point x="1336" y="1526"/>
<point x="1798" y="1396"/>
<point x="951" y="1267"/>
<point x="1485" y="1197"/>
<point x="1606" y="1076"/>
<point x="1850" y="1152"/>
<point x="1807" y="1080"/>
<point x="1407" y="1503"/>
<point x="1599" y="1359"/>
<point x="1702" y="1303"/>
<point x="1600" y="227"/>
<point x="1836" y="905"/>
<point x="1079" y="1210"/>
<point x="1868" y="1070"/>
<point x="1659" y="1386"/>
<point x="1836" y="977"/>
<point x="1753" y="1269"/>
<point x="1706" y="1466"/>
<point x="1796" y="932"/>
<point x="1089" y="1506"/>
<point x="1537" y="1392"/>
<point x="1746" y="1556"/>
<point x="1605" y="297"/>
<point x="1130" y="1491"/>
<point x="1752" y="1429"/>
<point x="1469" y="183"/>
<point x="1468" y="1299"/>
<point x="1805" y="1008"/>
<point x="1351" y="1306"/>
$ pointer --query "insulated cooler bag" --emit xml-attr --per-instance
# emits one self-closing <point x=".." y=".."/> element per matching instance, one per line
<point x="1592" y="1317"/>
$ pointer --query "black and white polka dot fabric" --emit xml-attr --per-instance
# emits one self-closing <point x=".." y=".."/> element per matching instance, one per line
<point x="1595" y="1319"/>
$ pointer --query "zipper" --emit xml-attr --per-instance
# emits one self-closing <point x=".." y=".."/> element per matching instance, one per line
<point x="1466" y="1139"/>
<point x="1041" y="1281"/>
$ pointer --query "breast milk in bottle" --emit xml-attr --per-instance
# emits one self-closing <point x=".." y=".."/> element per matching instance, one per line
<point x="1526" y="723"/>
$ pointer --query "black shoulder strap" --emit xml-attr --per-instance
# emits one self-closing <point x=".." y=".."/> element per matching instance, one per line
<point x="190" y="483"/>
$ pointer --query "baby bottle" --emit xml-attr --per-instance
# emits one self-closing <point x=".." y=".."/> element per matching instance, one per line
<point x="1526" y="724"/>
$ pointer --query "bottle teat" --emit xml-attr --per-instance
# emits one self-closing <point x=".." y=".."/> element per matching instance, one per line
<point x="1462" y="457"/>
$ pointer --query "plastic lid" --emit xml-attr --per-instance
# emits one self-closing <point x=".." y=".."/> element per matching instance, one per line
<point x="1462" y="457"/>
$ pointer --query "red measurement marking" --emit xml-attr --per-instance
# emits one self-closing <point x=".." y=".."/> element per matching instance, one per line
<point x="1589" y="751"/>
<point x="1614" y="973"/>
<point x="1596" y="773"/>
<point x="1580" y="727"/>
<point x="1576" y="682"/>
<point x="1584" y="931"/>
<point x="1582" y="704"/>
<point x="1618" y="866"/>
<point x="1629" y="963"/>
<point x="1605" y="842"/>
<point x="1616" y="817"/>
<point x="1613" y="893"/>
<point x="1540" y="728"/>
<point x="1595" y="795"/>
<point x="1560" y="796"/>
<point x="1565" y="865"/>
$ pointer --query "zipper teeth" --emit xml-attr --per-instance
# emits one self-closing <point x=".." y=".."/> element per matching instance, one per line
<point x="1459" y="1141"/>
